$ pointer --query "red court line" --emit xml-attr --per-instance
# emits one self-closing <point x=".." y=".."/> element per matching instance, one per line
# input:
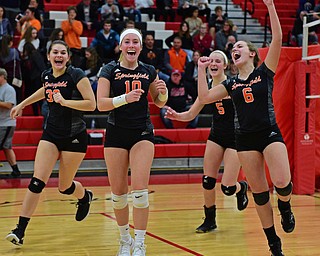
<point x="160" y="238"/>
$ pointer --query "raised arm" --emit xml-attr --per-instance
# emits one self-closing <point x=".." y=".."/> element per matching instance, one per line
<point x="273" y="55"/>
<point x="205" y="95"/>
<point x="185" y="116"/>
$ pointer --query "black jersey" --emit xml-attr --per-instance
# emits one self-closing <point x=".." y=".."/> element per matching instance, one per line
<point x="122" y="80"/>
<point x="223" y="117"/>
<point x="252" y="98"/>
<point x="63" y="121"/>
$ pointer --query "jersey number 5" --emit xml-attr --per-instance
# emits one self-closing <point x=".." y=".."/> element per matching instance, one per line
<point x="247" y="95"/>
<point x="220" y="108"/>
<point x="135" y="84"/>
<point x="50" y="93"/>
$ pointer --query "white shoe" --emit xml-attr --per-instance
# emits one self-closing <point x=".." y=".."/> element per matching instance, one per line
<point x="125" y="247"/>
<point x="139" y="250"/>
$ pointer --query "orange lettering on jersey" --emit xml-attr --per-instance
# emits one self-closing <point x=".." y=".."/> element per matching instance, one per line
<point x="253" y="81"/>
<point x="120" y="76"/>
<point x="55" y="85"/>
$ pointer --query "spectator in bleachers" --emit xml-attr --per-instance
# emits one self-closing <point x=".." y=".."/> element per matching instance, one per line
<point x="87" y="13"/>
<point x="177" y="100"/>
<point x="203" y="41"/>
<point x="5" y="25"/>
<point x="194" y="22"/>
<point x="7" y="125"/>
<point x="184" y="34"/>
<point x="12" y="9"/>
<point x="231" y="40"/>
<point x="204" y="9"/>
<point x="32" y="65"/>
<point x="306" y="6"/>
<point x="222" y="36"/>
<point x="184" y="9"/>
<point x="297" y="31"/>
<point x="30" y="36"/>
<point x="190" y="76"/>
<point x="166" y="9"/>
<point x="28" y="20"/>
<point x="91" y="65"/>
<point x="72" y="30"/>
<point x="130" y="24"/>
<point x="39" y="9"/>
<point x="57" y="34"/>
<point x="175" y="58"/>
<point x="110" y="11"/>
<point x="133" y="14"/>
<point x="10" y="61"/>
<point x="106" y="43"/>
<point x="152" y="55"/>
<point x="216" y="21"/>
<point x="146" y="6"/>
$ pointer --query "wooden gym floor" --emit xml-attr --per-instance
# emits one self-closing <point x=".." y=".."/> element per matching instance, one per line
<point x="175" y="211"/>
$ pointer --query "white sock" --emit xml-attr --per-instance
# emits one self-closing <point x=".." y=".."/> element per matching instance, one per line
<point x="139" y="236"/>
<point x="125" y="232"/>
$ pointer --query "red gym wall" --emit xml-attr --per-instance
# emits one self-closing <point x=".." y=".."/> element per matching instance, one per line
<point x="298" y="118"/>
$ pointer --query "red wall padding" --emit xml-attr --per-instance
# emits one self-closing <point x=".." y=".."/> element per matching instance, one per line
<point x="290" y="87"/>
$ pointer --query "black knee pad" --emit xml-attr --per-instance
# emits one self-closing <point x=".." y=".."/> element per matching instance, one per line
<point x="228" y="190"/>
<point x="36" y="185"/>
<point x="284" y="191"/>
<point x="261" y="198"/>
<point x="208" y="183"/>
<point x="69" y="191"/>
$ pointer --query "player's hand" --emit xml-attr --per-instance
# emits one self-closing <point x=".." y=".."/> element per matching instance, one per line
<point x="16" y="111"/>
<point x="161" y="87"/>
<point x="134" y="95"/>
<point x="57" y="97"/>
<point x="204" y="62"/>
<point x="170" y="113"/>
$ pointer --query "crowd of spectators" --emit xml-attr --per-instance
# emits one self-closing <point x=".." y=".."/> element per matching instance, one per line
<point x="201" y="31"/>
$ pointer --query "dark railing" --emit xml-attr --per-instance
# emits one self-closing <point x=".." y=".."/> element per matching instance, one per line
<point x="246" y="10"/>
<point x="226" y="8"/>
<point x="266" y="27"/>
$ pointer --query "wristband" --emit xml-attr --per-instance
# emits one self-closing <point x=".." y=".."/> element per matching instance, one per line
<point x="119" y="101"/>
<point x="163" y="97"/>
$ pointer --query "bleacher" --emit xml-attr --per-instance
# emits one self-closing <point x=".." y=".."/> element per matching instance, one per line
<point x="187" y="147"/>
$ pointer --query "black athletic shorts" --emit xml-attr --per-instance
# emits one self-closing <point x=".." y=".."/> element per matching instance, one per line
<point x="118" y="137"/>
<point x="223" y="140"/>
<point x="258" y="141"/>
<point x="77" y="143"/>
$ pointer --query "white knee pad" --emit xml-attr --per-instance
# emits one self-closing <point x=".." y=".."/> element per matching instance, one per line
<point x="119" y="202"/>
<point x="140" y="198"/>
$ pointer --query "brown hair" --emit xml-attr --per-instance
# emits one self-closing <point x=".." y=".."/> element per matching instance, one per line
<point x="253" y="48"/>
<point x="59" y="42"/>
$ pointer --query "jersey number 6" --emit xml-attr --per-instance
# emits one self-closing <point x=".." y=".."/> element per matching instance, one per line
<point x="247" y="95"/>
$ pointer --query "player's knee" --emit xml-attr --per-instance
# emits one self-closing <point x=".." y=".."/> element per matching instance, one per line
<point x="261" y="198"/>
<point x="140" y="198"/>
<point x="69" y="191"/>
<point x="119" y="202"/>
<point x="36" y="185"/>
<point x="228" y="190"/>
<point x="208" y="183"/>
<point x="285" y="191"/>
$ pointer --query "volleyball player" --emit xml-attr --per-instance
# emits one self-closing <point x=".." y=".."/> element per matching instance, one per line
<point x="220" y="147"/>
<point x="258" y="138"/>
<point x="68" y="92"/>
<point x="123" y="88"/>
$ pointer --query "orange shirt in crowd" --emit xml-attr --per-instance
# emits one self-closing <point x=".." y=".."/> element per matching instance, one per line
<point x="72" y="33"/>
